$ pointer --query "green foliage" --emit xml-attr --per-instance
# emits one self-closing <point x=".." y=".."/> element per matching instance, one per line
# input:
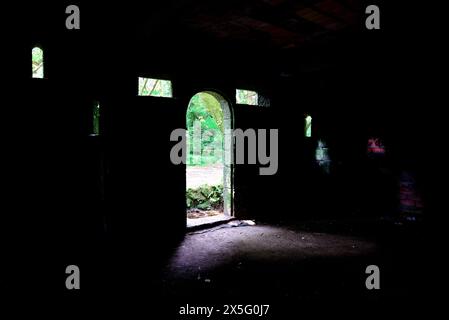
<point x="308" y="127"/>
<point x="205" y="109"/>
<point x="155" y="87"/>
<point x="205" y="197"/>
<point x="202" y="160"/>
<point x="37" y="58"/>
<point x="247" y="97"/>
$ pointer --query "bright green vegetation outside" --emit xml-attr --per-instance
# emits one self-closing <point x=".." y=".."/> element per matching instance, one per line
<point x="205" y="197"/>
<point x="205" y="113"/>
<point x="155" y="88"/>
<point x="247" y="97"/>
<point x="37" y="59"/>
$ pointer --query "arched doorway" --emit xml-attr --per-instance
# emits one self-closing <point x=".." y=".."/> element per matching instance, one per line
<point x="209" y="171"/>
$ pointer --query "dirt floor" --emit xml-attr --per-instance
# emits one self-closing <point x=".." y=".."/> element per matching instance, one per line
<point x="301" y="269"/>
<point x="286" y="264"/>
<point x="202" y="252"/>
<point x="249" y="260"/>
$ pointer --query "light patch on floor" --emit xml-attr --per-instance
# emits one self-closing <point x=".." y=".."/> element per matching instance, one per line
<point x="201" y="253"/>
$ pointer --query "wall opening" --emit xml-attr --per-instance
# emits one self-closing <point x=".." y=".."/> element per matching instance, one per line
<point x="251" y="98"/>
<point x="247" y="97"/>
<point x="96" y="119"/>
<point x="308" y="126"/>
<point x="155" y="88"/>
<point x="37" y="62"/>
<point x="209" y="171"/>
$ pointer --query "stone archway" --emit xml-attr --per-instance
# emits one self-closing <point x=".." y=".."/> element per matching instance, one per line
<point x="209" y="109"/>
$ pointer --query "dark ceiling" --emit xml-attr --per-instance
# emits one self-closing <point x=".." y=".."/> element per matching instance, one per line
<point x="268" y="24"/>
<point x="293" y="35"/>
<point x="289" y="35"/>
<point x="274" y="23"/>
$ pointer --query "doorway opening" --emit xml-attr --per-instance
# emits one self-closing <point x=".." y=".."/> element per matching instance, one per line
<point x="209" y="171"/>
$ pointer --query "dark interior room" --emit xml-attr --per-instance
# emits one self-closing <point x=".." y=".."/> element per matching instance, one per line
<point x="209" y="159"/>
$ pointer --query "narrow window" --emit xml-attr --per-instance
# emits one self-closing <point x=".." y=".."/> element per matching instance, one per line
<point x="308" y="127"/>
<point x="96" y="119"/>
<point x="155" y="87"/>
<point x="37" y="58"/>
<point x="247" y="97"/>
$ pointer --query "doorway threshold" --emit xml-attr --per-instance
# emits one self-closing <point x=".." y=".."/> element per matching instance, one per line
<point x="207" y="222"/>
